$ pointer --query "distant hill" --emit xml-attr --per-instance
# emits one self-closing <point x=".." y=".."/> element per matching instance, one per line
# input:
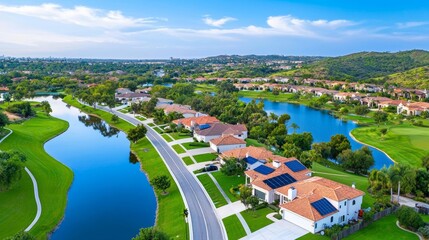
<point x="414" y="78"/>
<point x="364" y="66"/>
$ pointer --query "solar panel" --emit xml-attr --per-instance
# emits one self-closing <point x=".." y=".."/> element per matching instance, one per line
<point x="280" y="181"/>
<point x="264" y="170"/>
<point x="251" y="160"/>
<point x="295" y="166"/>
<point x="323" y="206"/>
<point x="204" y="126"/>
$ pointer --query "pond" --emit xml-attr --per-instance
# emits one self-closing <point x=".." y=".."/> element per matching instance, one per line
<point x="321" y="124"/>
<point x="110" y="197"/>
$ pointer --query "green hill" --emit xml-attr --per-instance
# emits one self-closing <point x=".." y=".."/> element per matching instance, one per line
<point x="414" y="78"/>
<point x="363" y="66"/>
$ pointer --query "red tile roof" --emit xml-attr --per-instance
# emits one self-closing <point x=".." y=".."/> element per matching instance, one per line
<point x="197" y="120"/>
<point x="227" y="140"/>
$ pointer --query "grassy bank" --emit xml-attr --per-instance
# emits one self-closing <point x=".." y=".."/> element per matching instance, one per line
<point x="404" y="143"/>
<point x="170" y="207"/>
<point x="17" y="206"/>
<point x="281" y="97"/>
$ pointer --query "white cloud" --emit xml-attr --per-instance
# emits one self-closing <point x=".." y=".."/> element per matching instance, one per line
<point x="79" y="15"/>
<point x="411" y="24"/>
<point x="217" y="22"/>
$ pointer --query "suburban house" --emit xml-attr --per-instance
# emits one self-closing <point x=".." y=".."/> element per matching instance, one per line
<point x="373" y="101"/>
<point x="413" y="109"/>
<point x="185" y="110"/>
<point x="217" y="130"/>
<point x="391" y="103"/>
<point x="131" y="97"/>
<point x="194" y="122"/>
<point x="122" y="91"/>
<point x="226" y="142"/>
<point x="317" y="203"/>
<point x="253" y="156"/>
<point x="346" y="96"/>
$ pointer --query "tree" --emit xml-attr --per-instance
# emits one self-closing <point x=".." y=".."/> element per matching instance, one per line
<point x="137" y="133"/>
<point x="361" y="110"/>
<point x="276" y="91"/>
<point x="21" y="236"/>
<point x="425" y="162"/>
<point x="253" y="202"/>
<point x="11" y="167"/>
<point x="151" y="233"/>
<point x="338" y="144"/>
<point x="4" y="120"/>
<point x="161" y="183"/>
<point x="245" y="192"/>
<point x="233" y="167"/>
<point x="383" y="131"/>
<point x="303" y="140"/>
<point x="323" y="148"/>
<point x="380" y="117"/>
<point x="308" y="157"/>
<point x="358" y="161"/>
<point x="283" y="119"/>
<point x="114" y="118"/>
<point x="294" y="126"/>
<point x="291" y="150"/>
<point x="46" y="107"/>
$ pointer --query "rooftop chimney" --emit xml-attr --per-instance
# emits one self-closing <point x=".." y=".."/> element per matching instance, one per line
<point x="353" y="185"/>
<point x="276" y="164"/>
<point x="291" y="193"/>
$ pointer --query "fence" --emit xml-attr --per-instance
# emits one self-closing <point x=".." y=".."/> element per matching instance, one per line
<point x="358" y="226"/>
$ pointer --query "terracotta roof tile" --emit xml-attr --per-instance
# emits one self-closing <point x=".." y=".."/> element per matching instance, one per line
<point x="227" y="140"/>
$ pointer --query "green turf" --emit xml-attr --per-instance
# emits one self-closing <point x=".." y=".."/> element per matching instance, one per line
<point x="166" y="137"/>
<point x="178" y="136"/>
<point x="206" y="88"/>
<point x="347" y="179"/>
<point x="205" y="157"/>
<point x="158" y="130"/>
<point x="227" y="182"/>
<point x="212" y="190"/>
<point x="310" y="236"/>
<point x="141" y="118"/>
<point x="178" y="149"/>
<point x="282" y="97"/>
<point x="195" y="145"/>
<point x="17" y="206"/>
<point x="404" y="143"/>
<point x="151" y="124"/>
<point x="384" y="228"/>
<point x="257" y="219"/>
<point x="233" y="227"/>
<point x="255" y="143"/>
<point x="188" y="160"/>
<point x="425" y="217"/>
<point x="170" y="207"/>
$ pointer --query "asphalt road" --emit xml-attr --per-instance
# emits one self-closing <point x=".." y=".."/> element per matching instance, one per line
<point x="204" y="222"/>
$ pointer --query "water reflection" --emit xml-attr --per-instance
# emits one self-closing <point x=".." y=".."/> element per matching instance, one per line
<point x="133" y="158"/>
<point x="99" y="125"/>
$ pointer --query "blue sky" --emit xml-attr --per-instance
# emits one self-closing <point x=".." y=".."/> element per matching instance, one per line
<point x="187" y="29"/>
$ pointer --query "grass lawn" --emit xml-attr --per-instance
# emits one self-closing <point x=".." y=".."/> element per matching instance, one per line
<point x="166" y="137"/>
<point x="233" y="227"/>
<point x="195" y="145"/>
<point x="385" y="228"/>
<point x="178" y="136"/>
<point x="206" y="88"/>
<point x="17" y="206"/>
<point x="227" y="182"/>
<point x="347" y="179"/>
<point x="151" y="124"/>
<point x="178" y="149"/>
<point x="158" y="130"/>
<point x="170" y="207"/>
<point x="282" y="97"/>
<point x="141" y="118"/>
<point x="310" y="236"/>
<point x="188" y="160"/>
<point x="257" y="219"/>
<point x="404" y="143"/>
<point x="255" y="143"/>
<point x="205" y="157"/>
<point x="425" y="218"/>
<point x="212" y="190"/>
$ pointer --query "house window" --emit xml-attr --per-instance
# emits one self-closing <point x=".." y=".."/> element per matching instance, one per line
<point x="315" y="226"/>
<point x="332" y="218"/>
<point x="354" y="202"/>
<point x="345" y="203"/>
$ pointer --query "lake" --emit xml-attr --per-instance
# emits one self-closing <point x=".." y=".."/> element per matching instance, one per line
<point x="321" y="124"/>
<point x="110" y="197"/>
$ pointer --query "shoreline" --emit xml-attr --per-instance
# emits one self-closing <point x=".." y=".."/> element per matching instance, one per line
<point x="354" y="138"/>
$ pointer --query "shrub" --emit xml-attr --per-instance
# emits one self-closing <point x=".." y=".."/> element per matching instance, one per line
<point x="409" y="218"/>
<point x="424" y="231"/>
<point x="278" y="216"/>
<point x="333" y="230"/>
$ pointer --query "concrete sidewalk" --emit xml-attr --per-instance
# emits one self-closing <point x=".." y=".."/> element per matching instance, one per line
<point x="230" y="209"/>
<point x="184" y="140"/>
<point x="197" y="151"/>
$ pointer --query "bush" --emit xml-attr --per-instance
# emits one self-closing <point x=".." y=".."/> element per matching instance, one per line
<point x="409" y="218"/>
<point x="278" y="216"/>
<point x="262" y="205"/>
<point x="274" y="207"/>
<point x="424" y="231"/>
<point x="333" y="230"/>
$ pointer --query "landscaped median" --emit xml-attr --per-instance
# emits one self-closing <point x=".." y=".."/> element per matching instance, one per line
<point x="170" y="207"/>
<point x="214" y="193"/>
<point x="17" y="206"/>
<point x="233" y="227"/>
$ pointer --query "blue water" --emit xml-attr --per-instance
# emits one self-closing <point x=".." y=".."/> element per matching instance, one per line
<point x="321" y="124"/>
<point x="110" y="197"/>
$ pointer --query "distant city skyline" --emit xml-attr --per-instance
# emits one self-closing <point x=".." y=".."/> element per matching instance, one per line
<point x="139" y="29"/>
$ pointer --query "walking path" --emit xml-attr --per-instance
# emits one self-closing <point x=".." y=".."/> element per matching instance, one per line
<point x="197" y="151"/>
<point x="36" y="196"/>
<point x="184" y="140"/>
<point x="36" y="191"/>
<point x="399" y="226"/>
<point x="230" y="209"/>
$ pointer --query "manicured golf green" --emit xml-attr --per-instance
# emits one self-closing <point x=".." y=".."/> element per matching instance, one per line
<point x="170" y="207"/>
<point x="17" y="206"/>
<point x="227" y="182"/>
<point x="212" y="190"/>
<point x="282" y="97"/>
<point x="404" y="143"/>
<point x="205" y="157"/>
<point x="257" y="219"/>
<point x="233" y="227"/>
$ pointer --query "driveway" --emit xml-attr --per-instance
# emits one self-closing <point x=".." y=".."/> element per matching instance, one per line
<point x="280" y="230"/>
<point x="197" y="151"/>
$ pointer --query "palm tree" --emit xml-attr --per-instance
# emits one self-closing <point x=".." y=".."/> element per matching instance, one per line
<point x="294" y="126"/>
<point x="272" y="117"/>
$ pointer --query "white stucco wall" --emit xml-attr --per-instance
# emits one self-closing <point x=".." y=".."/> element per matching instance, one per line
<point x="224" y="148"/>
<point x="298" y="220"/>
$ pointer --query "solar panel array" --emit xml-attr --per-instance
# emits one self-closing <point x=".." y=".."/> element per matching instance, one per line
<point x="323" y="206"/>
<point x="251" y="160"/>
<point x="264" y="170"/>
<point x="204" y="126"/>
<point x="280" y="181"/>
<point x="295" y="166"/>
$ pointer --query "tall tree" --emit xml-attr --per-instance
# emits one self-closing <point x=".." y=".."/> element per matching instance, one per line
<point x="162" y="183"/>
<point x="380" y="117"/>
<point x="151" y="233"/>
<point x="4" y="120"/>
<point x="137" y="133"/>
<point x="338" y="144"/>
<point x="46" y="107"/>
